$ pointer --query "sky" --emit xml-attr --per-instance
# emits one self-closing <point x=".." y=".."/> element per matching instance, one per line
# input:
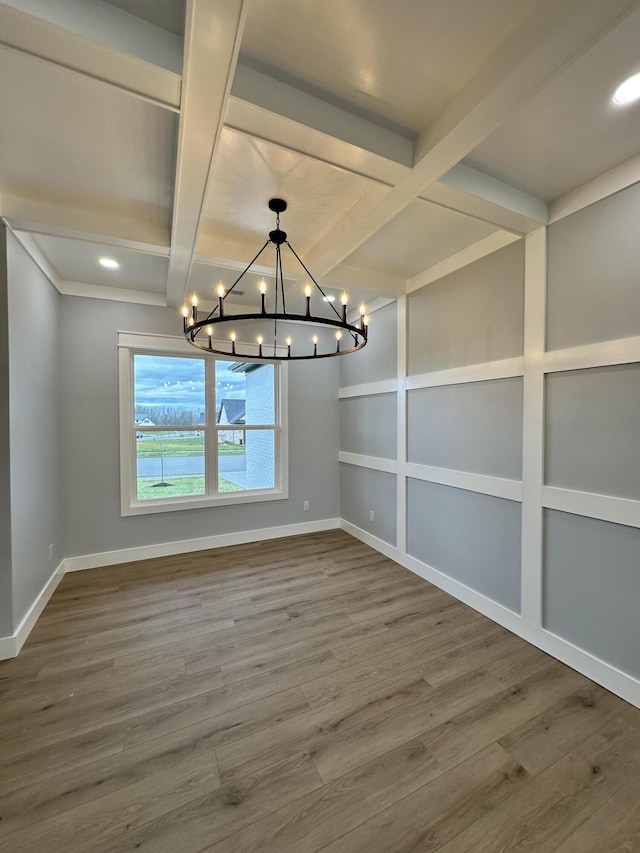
<point x="166" y="381"/>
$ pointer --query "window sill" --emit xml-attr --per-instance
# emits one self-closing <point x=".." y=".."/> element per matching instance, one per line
<point x="200" y="502"/>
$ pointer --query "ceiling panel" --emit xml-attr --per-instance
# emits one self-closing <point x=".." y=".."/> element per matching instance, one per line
<point x="166" y="14"/>
<point x="248" y="172"/>
<point x="422" y="235"/>
<point x="68" y="139"/>
<point x="77" y="260"/>
<point x="398" y="61"/>
<point x="570" y="132"/>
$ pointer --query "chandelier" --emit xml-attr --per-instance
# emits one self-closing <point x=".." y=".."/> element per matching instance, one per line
<point x="278" y="333"/>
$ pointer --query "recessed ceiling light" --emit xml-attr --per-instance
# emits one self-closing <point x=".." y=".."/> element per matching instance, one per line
<point x="328" y="298"/>
<point x="108" y="263"/>
<point x="627" y="92"/>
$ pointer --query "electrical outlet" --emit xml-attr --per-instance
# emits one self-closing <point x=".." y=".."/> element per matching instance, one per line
<point x="370" y="515"/>
<point x="305" y="506"/>
<point x="51" y="552"/>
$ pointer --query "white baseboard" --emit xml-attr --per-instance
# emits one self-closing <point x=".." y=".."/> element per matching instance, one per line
<point x="10" y="646"/>
<point x="185" y="546"/>
<point x="615" y="680"/>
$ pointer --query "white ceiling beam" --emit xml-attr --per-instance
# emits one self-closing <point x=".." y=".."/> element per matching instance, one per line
<point x="76" y="53"/>
<point x="114" y="294"/>
<point x="106" y="24"/>
<point x="480" y="249"/>
<point x="491" y="189"/>
<point x="212" y="41"/>
<point x="555" y="35"/>
<point x="301" y="108"/>
<point x="59" y="220"/>
<point x="357" y="280"/>
<point x="258" y="122"/>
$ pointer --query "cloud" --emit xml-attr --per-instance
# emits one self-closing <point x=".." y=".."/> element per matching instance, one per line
<point x="180" y="382"/>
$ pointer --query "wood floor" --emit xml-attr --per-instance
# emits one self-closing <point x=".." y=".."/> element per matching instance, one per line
<point x="300" y="695"/>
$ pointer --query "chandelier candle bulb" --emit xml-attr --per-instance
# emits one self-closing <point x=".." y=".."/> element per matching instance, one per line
<point x="338" y="338"/>
<point x="307" y="293"/>
<point x="185" y="313"/>
<point x="288" y="343"/>
<point x="263" y="291"/>
<point x="260" y="345"/>
<point x="220" y="292"/>
<point x="210" y="335"/>
<point x="194" y="307"/>
<point x="344" y="299"/>
<point x="233" y="343"/>
<point x="315" y="344"/>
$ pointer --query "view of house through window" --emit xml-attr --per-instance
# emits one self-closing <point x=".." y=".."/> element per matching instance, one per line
<point x="203" y="427"/>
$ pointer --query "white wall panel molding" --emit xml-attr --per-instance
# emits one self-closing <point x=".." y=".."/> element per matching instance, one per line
<point x="77" y="54"/>
<point x="497" y="487"/>
<point x="502" y="369"/>
<point x="620" y="683"/>
<point x="402" y="354"/>
<point x="480" y="249"/>
<point x="376" y="463"/>
<point x="368" y="389"/>
<point x="604" y="507"/>
<point x="613" y="181"/>
<point x="621" y="351"/>
<point x="535" y="288"/>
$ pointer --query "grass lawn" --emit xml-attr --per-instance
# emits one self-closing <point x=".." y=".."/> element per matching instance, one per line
<point x="180" y="487"/>
<point x="183" y="446"/>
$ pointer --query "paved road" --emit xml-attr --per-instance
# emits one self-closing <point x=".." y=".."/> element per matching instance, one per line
<point x="232" y="467"/>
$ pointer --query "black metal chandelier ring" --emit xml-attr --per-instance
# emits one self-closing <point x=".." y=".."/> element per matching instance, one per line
<point x="200" y="332"/>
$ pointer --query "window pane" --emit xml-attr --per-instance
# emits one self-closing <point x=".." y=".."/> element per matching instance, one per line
<point x="169" y="464"/>
<point x="245" y="393"/>
<point x="169" y="391"/>
<point x="246" y="460"/>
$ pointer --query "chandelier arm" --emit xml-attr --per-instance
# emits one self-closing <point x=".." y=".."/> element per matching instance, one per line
<point x="284" y="302"/>
<point x="244" y="271"/>
<point x="275" y="321"/>
<point x="304" y="267"/>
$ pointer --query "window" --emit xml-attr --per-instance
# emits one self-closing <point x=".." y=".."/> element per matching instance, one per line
<point x="197" y="430"/>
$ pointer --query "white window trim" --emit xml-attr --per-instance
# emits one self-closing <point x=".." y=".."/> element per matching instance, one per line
<point x="130" y="343"/>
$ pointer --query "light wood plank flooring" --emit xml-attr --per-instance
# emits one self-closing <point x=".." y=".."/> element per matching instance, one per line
<point x="300" y="695"/>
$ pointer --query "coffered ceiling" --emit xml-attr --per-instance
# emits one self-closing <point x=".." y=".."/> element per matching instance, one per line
<point x="155" y="131"/>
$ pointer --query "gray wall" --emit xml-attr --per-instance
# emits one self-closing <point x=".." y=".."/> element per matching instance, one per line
<point x="592" y="567"/>
<point x="363" y="490"/>
<point x="90" y="487"/>
<point x="378" y="359"/>
<point x="474" y="427"/>
<point x="592" y="587"/>
<point x="594" y="258"/>
<point x="6" y="584"/>
<point x="473" y="538"/>
<point x="368" y="425"/>
<point x="34" y="408"/>
<point x="471" y="316"/>
<point x="593" y="430"/>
